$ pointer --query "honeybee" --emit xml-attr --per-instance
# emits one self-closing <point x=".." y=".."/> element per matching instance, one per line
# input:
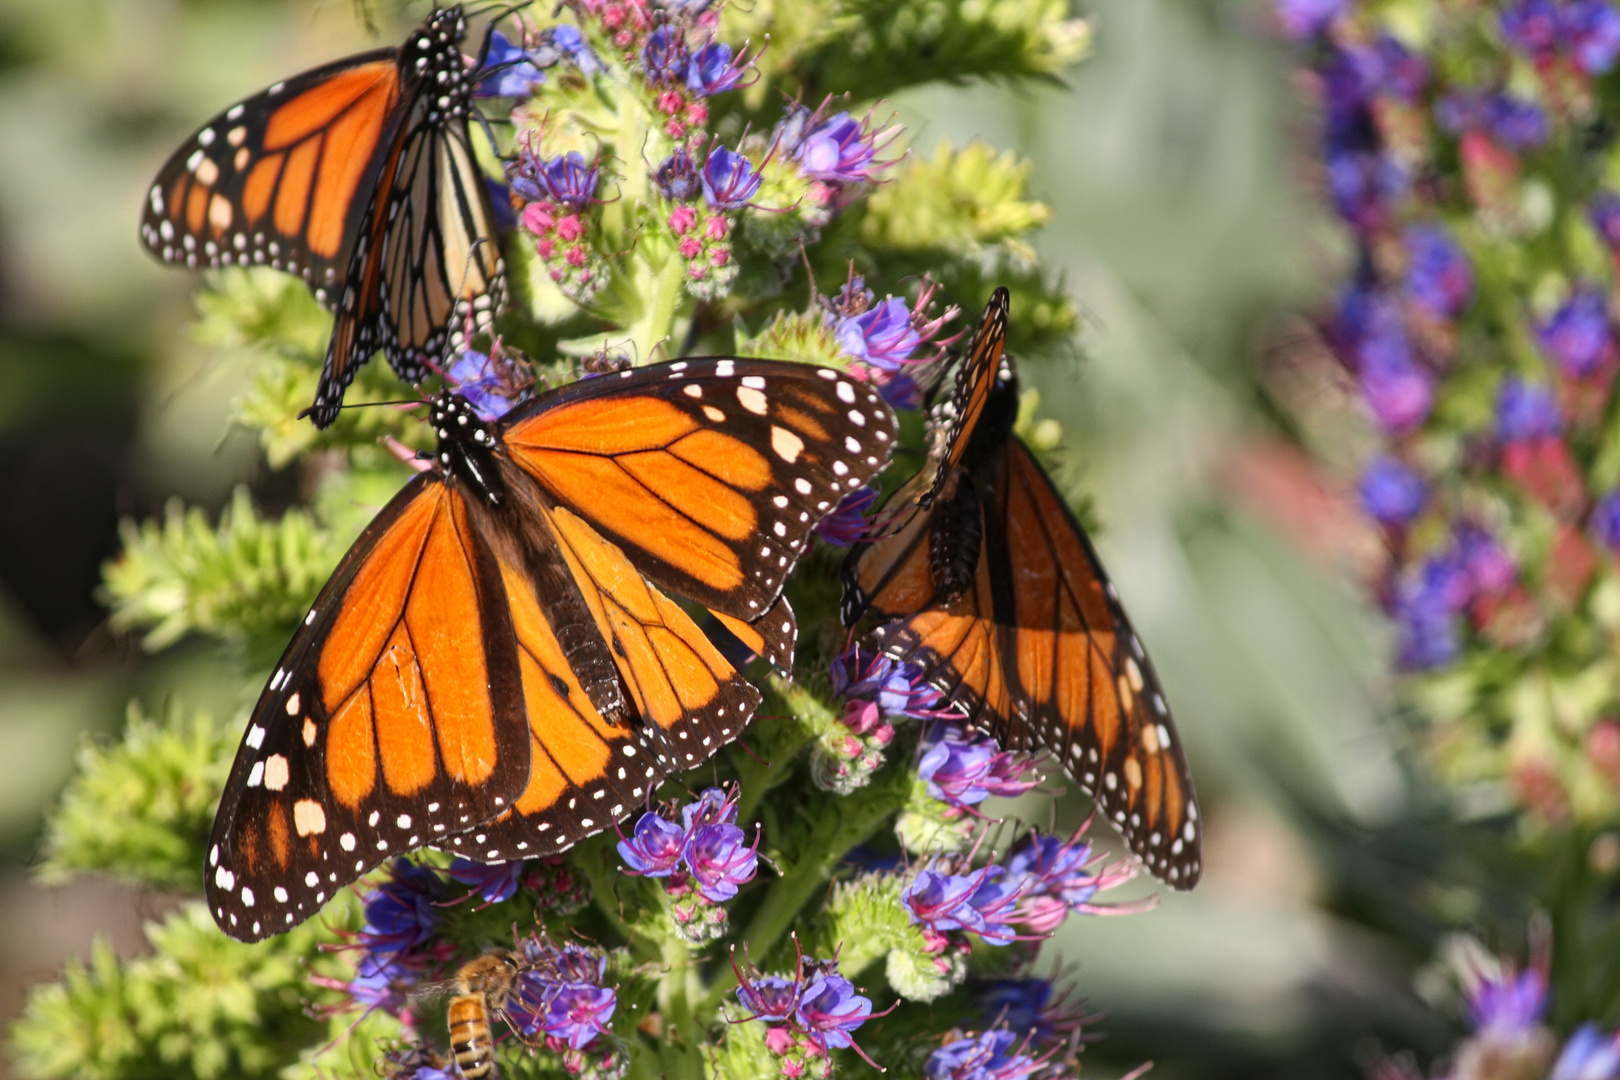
<point x="482" y="986"/>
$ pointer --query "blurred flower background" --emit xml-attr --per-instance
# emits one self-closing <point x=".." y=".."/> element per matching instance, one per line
<point x="1232" y="203"/>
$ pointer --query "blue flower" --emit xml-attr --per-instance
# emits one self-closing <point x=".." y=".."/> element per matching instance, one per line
<point x="677" y="177"/>
<point x="882" y="337"/>
<point x="720" y="860"/>
<point x="488" y="389"/>
<point x="1604" y="213"/>
<point x="1363" y="184"/>
<point x="940" y="901"/>
<point x="1532" y="26"/>
<point x="898" y="688"/>
<point x="1516" y="124"/>
<point x="492" y="881"/>
<point x="847" y="523"/>
<point x="1605" y="521"/>
<point x="654" y="848"/>
<point x="729" y="179"/>
<point x="996" y="900"/>
<point x="1508" y="1004"/>
<point x="1307" y="18"/>
<point x="1592" y="28"/>
<point x="560" y="994"/>
<point x="664" y="56"/>
<point x="829" y="1009"/>
<point x="1577" y="337"/>
<point x="1439" y="277"/>
<point x="770" y="998"/>
<point x="1526" y="411"/>
<point x="993" y="1055"/>
<point x="401" y="915"/>
<point x="512" y="72"/>
<point x="569" y="180"/>
<point x="1426" y="604"/>
<point x="838" y="150"/>
<point x="576" y="1013"/>
<point x="966" y="771"/>
<point x="1391" y="492"/>
<point x="712" y="807"/>
<point x="710" y="71"/>
<point x="1589" y="1055"/>
<point x="568" y="41"/>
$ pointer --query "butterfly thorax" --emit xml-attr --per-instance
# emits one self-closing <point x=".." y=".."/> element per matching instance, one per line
<point x="957" y="523"/>
<point x="467" y="448"/>
<point x="432" y="55"/>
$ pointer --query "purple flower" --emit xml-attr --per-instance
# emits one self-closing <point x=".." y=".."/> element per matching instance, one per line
<point x="576" y="1013"/>
<point x="1489" y="568"/>
<point x="729" y="179"/>
<point x="664" y="56"/>
<point x="1508" y="1004"/>
<point x="1605" y="216"/>
<point x="713" y="807"/>
<point x="847" y="523"/>
<point x="1605" y="521"/>
<point x="882" y="336"/>
<point x="1029" y="1005"/>
<point x="1058" y="876"/>
<point x="1532" y="26"/>
<point x="996" y="900"/>
<point x="401" y="915"/>
<point x="1589" y="1055"/>
<point x="492" y="881"/>
<point x="1592" y="31"/>
<point x="1526" y="411"/>
<point x="838" y="150"/>
<point x="509" y="71"/>
<point x="770" y="998"/>
<point x="721" y="860"/>
<point x="569" y="180"/>
<point x="677" y="177"/>
<point x="898" y="688"/>
<point x="1399" y="392"/>
<point x="711" y="70"/>
<point x="1426" y="603"/>
<point x="1391" y="492"/>
<point x="940" y="901"/>
<point x="964" y="772"/>
<point x="989" y="1056"/>
<point x="1306" y="18"/>
<point x="483" y="384"/>
<point x="1363" y="183"/>
<point x="560" y="993"/>
<point x="829" y="1009"/>
<point x="654" y="849"/>
<point x="1439" y="277"/>
<point x="1516" y="124"/>
<point x="1577" y="337"/>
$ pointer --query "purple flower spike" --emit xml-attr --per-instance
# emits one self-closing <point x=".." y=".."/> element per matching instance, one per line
<point x="882" y="337"/>
<point x="729" y="179"/>
<point x="1578" y="336"/>
<point x="654" y="848"/>
<point x="578" y="1012"/>
<point x="1526" y="411"/>
<point x="721" y="860"/>
<point x="941" y="901"/>
<point x="1306" y="18"/>
<point x="569" y="180"/>
<point x="494" y="882"/>
<point x="711" y="70"/>
<point x="1439" y="278"/>
<point x="1592" y="30"/>
<point x="770" y="998"/>
<point x="1532" y="26"/>
<point x="847" y="523"/>
<point x="402" y="915"/>
<point x="664" y="56"/>
<point x="1605" y="215"/>
<point x="994" y="1055"/>
<point x="838" y="150"/>
<point x="829" y="1009"/>
<point x="1391" y="492"/>
<point x="1589" y="1055"/>
<point x="1605" y="521"/>
<point x="965" y="772"/>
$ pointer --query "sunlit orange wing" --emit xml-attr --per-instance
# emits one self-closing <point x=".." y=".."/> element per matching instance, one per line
<point x="709" y="474"/>
<point x="394" y="718"/>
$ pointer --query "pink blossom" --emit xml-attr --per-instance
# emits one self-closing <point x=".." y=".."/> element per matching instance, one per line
<point x="669" y="102"/>
<point x="721" y="256"/>
<point x="690" y="246"/>
<point x="681" y="220"/>
<point x="716" y="227"/>
<point x="538" y="218"/>
<point x="571" y="227"/>
<point x="697" y="112"/>
<point x="575" y="256"/>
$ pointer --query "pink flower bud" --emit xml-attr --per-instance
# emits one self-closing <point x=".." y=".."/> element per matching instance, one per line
<point x="670" y="102"/>
<point x="557" y="274"/>
<point x="697" y="112"/>
<point x="546" y="246"/>
<point x="681" y="220"/>
<point x="697" y="271"/>
<point x="690" y="246"/>
<point x="575" y="256"/>
<point x="623" y="38"/>
<point x="675" y="129"/>
<point x="778" y="1040"/>
<point x="884" y="734"/>
<point x="716" y="227"/>
<point x="792" y="1068"/>
<point x="721" y="256"/>
<point x="1603" y="748"/>
<point x="571" y="227"/>
<point x="538" y="218"/>
<point x="1539" y="790"/>
<point x="613" y="16"/>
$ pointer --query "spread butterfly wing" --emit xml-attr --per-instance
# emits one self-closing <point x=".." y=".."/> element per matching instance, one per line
<point x="587" y="772"/>
<point x="280" y="179"/>
<point x="710" y="474"/>
<point x="393" y="718"/>
<point x="975" y="381"/>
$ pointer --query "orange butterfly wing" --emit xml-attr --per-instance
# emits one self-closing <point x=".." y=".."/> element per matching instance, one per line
<point x="394" y="718"/>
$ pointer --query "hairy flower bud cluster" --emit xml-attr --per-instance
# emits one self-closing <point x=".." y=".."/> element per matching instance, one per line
<point x="702" y="860"/>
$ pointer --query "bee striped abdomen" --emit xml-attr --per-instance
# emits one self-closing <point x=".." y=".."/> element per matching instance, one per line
<point x="471" y="1044"/>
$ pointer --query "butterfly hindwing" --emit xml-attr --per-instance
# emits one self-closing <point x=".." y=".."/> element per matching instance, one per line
<point x="393" y="718"/>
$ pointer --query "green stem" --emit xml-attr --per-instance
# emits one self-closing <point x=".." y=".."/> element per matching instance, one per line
<point x="681" y="1047"/>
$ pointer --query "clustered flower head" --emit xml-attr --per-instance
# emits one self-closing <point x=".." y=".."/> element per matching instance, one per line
<point x="560" y="996"/>
<point x="877" y="691"/>
<point x="883" y="338"/>
<point x="702" y="860"/>
<point x="805" y="1016"/>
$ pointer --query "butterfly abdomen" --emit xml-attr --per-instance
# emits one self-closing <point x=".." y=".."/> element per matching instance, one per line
<point x="953" y="542"/>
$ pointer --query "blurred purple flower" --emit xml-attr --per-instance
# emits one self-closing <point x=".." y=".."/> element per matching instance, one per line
<point x="711" y="71"/>
<point x="1364" y="183"/>
<point x="677" y="177"/>
<point x="1399" y="392"/>
<point x="1391" y="492"/>
<point x="664" y="56"/>
<point x="1439" y="277"/>
<point x="1526" y="411"/>
<point x="1426" y="604"/>
<point x="720" y="860"/>
<point x="898" y="688"/>
<point x="1604" y="212"/>
<point x="1508" y="1004"/>
<point x="964" y="771"/>
<point x="881" y="336"/>
<point x="838" y="150"/>
<point x="569" y="180"/>
<point x="847" y="523"/>
<point x="1307" y="18"/>
<point x="830" y="1008"/>
<point x="654" y="849"/>
<point x="729" y="179"/>
<point x="996" y="1054"/>
<point x="1578" y="336"/>
<point x="1605" y="521"/>
<point x="1592" y="30"/>
<point x="494" y="882"/>
<point x="1518" y="125"/>
<point x="511" y="72"/>
<point x="1489" y="568"/>
<point x="770" y="998"/>
<point x="1534" y="27"/>
<point x="1589" y="1055"/>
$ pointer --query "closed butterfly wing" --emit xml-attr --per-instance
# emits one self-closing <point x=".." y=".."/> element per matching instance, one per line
<point x="393" y="719"/>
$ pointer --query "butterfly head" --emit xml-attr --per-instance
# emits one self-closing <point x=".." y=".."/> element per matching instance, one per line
<point x="467" y="446"/>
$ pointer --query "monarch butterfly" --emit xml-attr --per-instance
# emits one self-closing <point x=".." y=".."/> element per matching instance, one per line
<point x="362" y="168"/>
<point x="994" y="589"/>
<point x="494" y="667"/>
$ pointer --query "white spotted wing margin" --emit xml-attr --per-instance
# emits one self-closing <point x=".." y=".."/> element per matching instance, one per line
<point x="357" y="750"/>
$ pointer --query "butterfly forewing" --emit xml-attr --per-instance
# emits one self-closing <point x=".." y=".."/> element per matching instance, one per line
<point x="393" y="719"/>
